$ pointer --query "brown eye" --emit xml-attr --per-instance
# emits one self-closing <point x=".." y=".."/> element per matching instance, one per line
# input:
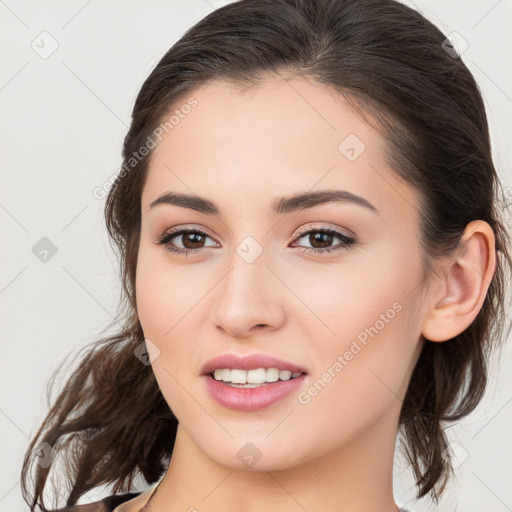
<point x="322" y="238"/>
<point x="191" y="239"/>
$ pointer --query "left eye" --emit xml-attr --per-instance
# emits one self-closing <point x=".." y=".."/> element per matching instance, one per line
<point x="192" y="237"/>
<point x="325" y="236"/>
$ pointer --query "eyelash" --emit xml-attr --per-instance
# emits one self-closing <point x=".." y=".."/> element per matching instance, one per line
<point x="347" y="241"/>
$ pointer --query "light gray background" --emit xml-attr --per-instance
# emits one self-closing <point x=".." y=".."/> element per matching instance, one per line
<point x="63" y="122"/>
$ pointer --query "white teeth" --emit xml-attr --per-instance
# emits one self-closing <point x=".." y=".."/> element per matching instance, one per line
<point x="257" y="376"/>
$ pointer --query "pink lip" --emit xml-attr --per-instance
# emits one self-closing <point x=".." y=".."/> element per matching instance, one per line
<point x="251" y="399"/>
<point x="250" y="362"/>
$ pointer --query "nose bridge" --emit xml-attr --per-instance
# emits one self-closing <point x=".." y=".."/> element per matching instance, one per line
<point x="248" y="272"/>
<point x="246" y="296"/>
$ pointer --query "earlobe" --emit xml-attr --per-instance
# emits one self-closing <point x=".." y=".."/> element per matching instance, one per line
<point x="463" y="285"/>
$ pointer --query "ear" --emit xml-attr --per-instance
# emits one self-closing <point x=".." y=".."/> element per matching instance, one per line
<point x="463" y="284"/>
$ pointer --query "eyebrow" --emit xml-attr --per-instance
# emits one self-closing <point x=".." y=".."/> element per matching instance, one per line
<point x="281" y="205"/>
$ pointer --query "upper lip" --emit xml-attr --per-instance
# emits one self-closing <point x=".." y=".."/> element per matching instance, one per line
<point x="249" y="362"/>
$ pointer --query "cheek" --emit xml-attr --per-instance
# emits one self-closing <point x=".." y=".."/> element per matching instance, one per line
<point x="169" y="300"/>
<point x="359" y="384"/>
<point x="346" y="299"/>
<point x="165" y="293"/>
<point x="364" y="344"/>
<point x="164" y="296"/>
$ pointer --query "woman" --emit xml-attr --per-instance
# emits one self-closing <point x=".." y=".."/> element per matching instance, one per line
<point x="314" y="261"/>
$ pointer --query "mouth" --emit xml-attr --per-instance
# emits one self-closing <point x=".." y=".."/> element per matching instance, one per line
<point x="248" y="396"/>
<point x="251" y="382"/>
<point x="254" y="378"/>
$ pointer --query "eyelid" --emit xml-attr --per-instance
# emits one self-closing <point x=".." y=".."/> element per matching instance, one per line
<point x="311" y="227"/>
<point x="190" y="227"/>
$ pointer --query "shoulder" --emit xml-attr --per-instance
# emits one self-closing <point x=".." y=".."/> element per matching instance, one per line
<point x="104" y="505"/>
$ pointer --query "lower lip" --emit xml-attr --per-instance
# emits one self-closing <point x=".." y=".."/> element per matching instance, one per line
<point x="251" y="399"/>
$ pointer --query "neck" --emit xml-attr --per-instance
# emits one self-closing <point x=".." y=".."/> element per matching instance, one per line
<point x="355" y="477"/>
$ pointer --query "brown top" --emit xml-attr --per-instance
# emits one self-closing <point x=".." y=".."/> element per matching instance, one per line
<point x="107" y="504"/>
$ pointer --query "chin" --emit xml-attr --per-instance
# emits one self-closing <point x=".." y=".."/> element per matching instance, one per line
<point x="254" y="455"/>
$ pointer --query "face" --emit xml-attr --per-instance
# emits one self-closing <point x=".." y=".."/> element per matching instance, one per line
<point x="343" y="304"/>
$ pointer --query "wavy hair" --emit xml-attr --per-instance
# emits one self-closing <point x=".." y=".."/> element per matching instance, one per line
<point x="110" y="422"/>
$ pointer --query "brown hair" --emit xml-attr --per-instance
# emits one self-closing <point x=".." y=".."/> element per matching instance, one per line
<point x="110" y="421"/>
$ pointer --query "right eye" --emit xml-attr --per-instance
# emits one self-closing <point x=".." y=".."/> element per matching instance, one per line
<point x="189" y="236"/>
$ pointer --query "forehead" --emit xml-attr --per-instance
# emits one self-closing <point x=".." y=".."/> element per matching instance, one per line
<point x="281" y="136"/>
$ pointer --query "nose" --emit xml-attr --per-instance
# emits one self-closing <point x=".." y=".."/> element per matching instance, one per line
<point x="249" y="299"/>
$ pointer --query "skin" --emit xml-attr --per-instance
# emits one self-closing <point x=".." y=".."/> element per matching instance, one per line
<point x="242" y="150"/>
